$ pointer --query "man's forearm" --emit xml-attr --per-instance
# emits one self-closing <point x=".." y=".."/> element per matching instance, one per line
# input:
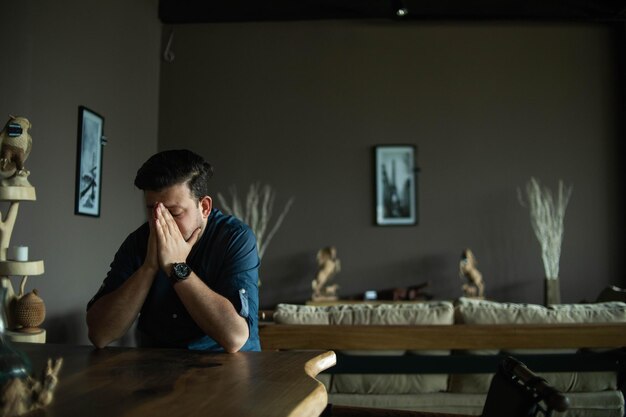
<point x="213" y="313"/>
<point x="111" y="316"/>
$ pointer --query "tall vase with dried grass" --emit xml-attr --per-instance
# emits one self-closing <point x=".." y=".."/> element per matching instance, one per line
<point x="547" y="213"/>
<point x="257" y="212"/>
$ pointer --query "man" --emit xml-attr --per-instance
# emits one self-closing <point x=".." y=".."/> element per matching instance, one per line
<point x="190" y="273"/>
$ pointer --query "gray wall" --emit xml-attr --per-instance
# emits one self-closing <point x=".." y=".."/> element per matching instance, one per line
<point x="57" y="56"/>
<point x="299" y="105"/>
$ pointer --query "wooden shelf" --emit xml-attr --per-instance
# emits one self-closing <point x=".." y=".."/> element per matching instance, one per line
<point x="17" y="336"/>
<point x="14" y="194"/>
<point x="28" y="268"/>
<point x="17" y="194"/>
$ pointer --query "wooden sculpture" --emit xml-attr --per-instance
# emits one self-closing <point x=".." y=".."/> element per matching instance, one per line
<point x="15" y="146"/>
<point x="19" y="396"/>
<point x="327" y="266"/>
<point x="474" y="287"/>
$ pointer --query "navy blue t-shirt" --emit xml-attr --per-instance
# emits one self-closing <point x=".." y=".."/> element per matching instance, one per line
<point x="225" y="258"/>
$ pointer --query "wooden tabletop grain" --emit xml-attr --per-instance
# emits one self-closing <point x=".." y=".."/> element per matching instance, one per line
<point x="133" y="382"/>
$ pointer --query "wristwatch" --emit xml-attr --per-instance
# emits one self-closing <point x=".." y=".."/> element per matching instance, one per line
<point x="180" y="272"/>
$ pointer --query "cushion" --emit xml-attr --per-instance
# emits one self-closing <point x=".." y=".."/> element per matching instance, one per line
<point x="471" y="311"/>
<point x="439" y="312"/>
<point x="597" y="404"/>
<point x="300" y="314"/>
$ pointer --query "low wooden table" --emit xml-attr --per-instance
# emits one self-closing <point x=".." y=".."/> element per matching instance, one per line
<point x="137" y="382"/>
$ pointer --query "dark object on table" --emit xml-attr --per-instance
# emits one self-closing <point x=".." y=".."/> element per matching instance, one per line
<point x="516" y="391"/>
<point x="412" y="293"/>
<point x="612" y="293"/>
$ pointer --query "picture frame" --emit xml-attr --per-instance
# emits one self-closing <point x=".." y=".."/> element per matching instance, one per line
<point x="88" y="189"/>
<point x="396" y="185"/>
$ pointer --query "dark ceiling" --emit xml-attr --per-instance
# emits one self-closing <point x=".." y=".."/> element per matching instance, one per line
<point x="198" y="11"/>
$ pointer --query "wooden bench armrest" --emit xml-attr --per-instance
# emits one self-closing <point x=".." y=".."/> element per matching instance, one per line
<point x="458" y="336"/>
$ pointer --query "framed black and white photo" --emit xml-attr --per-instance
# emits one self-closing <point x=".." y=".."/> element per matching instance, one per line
<point x="89" y="162"/>
<point x="396" y="201"/>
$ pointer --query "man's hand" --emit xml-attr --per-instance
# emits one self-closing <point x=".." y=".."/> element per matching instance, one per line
<point x="171" y="244"/>
<point x="152" y="259"/>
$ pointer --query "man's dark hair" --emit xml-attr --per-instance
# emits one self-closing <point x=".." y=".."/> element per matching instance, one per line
<point x="169" y="168"/>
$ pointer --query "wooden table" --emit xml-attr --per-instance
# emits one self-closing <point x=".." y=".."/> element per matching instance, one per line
<point x="133" y="382"/>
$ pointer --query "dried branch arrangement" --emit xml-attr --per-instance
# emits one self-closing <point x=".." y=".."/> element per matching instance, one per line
<point x="257" y="212"/>
<point x="546" y="216"/>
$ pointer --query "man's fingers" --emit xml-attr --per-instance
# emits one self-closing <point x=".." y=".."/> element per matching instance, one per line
<point x="158" y="228"/>
<point x="161" y="221"/>
<point x="168" y="223"/>
<point x="151" y="254"/>
<point x="170" y="243"/>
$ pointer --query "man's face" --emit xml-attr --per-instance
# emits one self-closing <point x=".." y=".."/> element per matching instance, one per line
<point x="188" y="212"/>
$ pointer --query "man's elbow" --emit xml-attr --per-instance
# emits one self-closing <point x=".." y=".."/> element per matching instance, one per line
<point x="235" y="344"/>
<point x="96" y="336"/>
<point x="232" y="349"/>
<point x="98" y="341"/>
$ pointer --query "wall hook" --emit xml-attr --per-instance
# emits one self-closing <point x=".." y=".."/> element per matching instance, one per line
<point x="168" y="55"/>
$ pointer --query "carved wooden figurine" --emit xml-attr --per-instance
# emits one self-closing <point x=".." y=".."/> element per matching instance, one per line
<point x="20" y="396"/>
<point x="327" y="266"/>
<point x="15" y="146"/>
<point x="467" y="268"/>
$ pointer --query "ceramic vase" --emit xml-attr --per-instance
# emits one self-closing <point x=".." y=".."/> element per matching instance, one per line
<point x="29" y="312"/>
<point x="552" y="291"/>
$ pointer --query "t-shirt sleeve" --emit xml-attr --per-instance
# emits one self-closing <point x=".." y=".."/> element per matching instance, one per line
<point x="126" y="261"/>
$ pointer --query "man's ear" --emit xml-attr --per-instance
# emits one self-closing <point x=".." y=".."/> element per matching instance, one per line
<point x="206" y="204"/>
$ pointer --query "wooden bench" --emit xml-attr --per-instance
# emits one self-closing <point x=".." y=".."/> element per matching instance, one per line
<point x="585" y="338"/>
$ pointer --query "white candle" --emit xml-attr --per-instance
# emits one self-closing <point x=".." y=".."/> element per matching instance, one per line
<point x="18" y="253"/>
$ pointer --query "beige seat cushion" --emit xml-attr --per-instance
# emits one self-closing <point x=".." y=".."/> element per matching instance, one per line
<point x="597" y="404"/>
<point x="435" y="312"/>
<point x="439" y="313"/>
<point x="469" y="311"/>
<point x="300" y="314"/>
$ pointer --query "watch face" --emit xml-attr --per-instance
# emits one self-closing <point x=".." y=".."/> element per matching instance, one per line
<point x="181" y="271"/>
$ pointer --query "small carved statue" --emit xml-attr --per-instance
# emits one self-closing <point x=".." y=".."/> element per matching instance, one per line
<point x="327" y="266"/>
<point x="474" y="287"/>
<point x="20" y="396"/>
<point x="15" y="146"/>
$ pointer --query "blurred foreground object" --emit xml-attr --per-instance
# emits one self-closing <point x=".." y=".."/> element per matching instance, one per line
<point x="23" y="395"/>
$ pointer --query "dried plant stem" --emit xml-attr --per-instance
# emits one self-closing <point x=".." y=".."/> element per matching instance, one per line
<point x="546" y="216"/>
<point x="256" y="212"/>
